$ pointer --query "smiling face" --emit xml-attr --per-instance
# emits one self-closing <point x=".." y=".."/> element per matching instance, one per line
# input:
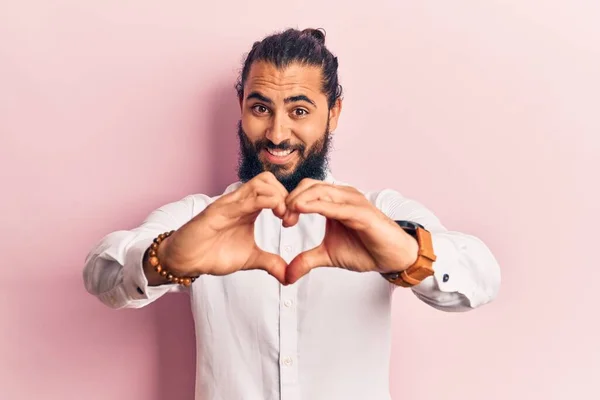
<point x="286" y="123"/>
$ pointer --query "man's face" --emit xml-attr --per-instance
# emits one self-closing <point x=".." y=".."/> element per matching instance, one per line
<point x="285" y="123"/>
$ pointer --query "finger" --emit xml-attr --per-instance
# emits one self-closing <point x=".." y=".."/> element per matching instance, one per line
<point x="280" y="210"/>
<point x="261" y="202"/>
<point x="304" y="262"/>
<point x="325" y="193"/>
<point x="271" y="186"/>
<point x="355" y="217"/>
<point x="270" y="179"/>
<point x="256" y="197"/>
<point x="329" y="193"/>
<point x="304" y="185"/>
<point x="273" y="264"/>
<point x="260" y="184"/>
<point x="292" y="216"/>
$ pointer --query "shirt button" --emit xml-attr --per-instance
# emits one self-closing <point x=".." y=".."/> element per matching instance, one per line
<point x="287" y="361"/>
<point x="288" y="303"/>
<point x="287" y="248"/>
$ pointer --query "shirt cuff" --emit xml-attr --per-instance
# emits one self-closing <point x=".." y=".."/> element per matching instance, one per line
<point x="452" y="285"/>
<point x="135" y="283"/>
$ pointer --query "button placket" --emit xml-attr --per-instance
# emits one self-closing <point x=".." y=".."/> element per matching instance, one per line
<point x="288" y="321"/>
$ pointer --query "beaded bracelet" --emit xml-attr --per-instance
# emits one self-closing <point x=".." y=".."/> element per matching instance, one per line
<point x="155" y="262"/>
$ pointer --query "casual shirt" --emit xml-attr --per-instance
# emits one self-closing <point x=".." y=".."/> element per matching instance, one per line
<point x="328" y="336"/>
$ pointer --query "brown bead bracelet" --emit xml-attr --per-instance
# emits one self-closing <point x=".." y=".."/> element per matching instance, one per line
<point x="158" y="267"/>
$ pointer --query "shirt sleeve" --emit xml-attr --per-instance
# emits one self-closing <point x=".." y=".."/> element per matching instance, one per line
<point x="113" y="270"/>
<point x="466" y="273"/>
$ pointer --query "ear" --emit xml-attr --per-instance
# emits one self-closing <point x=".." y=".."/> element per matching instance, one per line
<point x="334" y="114"/>
<point x="241" y="101"/>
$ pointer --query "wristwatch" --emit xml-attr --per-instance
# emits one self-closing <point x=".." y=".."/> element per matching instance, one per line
<point x="423" y="267"/>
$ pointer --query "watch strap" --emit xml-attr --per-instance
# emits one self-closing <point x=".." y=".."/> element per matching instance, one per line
<point x="423" y="266"/>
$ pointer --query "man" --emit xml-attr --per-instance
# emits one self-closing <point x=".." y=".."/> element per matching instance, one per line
<point x="290" y="271"/>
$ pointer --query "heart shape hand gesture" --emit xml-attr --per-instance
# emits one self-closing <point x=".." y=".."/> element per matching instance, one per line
<point x="220" y="240"/>
<point x="358" y="236"/>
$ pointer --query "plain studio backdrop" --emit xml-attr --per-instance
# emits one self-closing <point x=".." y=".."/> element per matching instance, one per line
<point x="486" y="112"/>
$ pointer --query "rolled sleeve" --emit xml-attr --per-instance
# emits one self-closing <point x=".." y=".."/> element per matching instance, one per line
<point x="135" y="283"/>
<point x="114" y="271"/>
<point x="466" y="273"/>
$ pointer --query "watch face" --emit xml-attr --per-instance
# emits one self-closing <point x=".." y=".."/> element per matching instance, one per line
<point x="391" y="275"/>
<point x="409" y="225"/>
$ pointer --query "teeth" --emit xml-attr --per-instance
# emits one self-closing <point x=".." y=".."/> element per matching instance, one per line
<point x="280" y="153"/>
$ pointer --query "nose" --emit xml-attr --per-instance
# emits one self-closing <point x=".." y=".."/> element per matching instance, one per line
<point x="278" y="130"/>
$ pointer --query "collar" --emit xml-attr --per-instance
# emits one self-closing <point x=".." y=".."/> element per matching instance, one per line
<point x="329" y="177"/>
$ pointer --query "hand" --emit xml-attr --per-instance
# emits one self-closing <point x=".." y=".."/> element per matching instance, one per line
<point x="220" y="240"/>
<point x="358" y="236"/>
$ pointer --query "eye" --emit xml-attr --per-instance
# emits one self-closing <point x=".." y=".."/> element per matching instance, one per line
<point x="300" y="112"/>
<point x="260" y="109"/>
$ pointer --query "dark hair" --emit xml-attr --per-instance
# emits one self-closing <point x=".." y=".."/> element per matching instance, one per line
<point x="306" y="47"/>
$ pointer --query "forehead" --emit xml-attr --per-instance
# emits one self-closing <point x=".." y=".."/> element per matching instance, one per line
<point x="278" y="83"/>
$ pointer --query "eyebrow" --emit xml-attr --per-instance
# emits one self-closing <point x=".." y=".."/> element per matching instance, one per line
<point x="291" y="99"/>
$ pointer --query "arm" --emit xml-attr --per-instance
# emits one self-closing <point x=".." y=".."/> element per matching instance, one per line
<point x="115" y="270"/>
<point x="467" y="274"/>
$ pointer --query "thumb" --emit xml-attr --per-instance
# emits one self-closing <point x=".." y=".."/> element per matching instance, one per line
<point x="304" y="262"/>
<point x="273" y="264"/>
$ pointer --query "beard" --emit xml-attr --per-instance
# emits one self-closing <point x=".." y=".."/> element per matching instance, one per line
<point x="313" y="162"/>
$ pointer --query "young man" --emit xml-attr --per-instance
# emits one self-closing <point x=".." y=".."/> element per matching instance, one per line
<point x="290" y="271"/>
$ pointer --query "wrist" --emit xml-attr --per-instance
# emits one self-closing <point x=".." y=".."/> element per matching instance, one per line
<point x="411" y="251"/>
<point x="162" y="253"/>
<point x="422" y="265"/>
<point x="407" y="255"/>
<point x="156" y="252"/>
<point x="154" y="278"/>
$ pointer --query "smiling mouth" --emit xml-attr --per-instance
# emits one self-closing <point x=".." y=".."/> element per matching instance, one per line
<point x="280" y="153"/>
<point x="279" y="157"/>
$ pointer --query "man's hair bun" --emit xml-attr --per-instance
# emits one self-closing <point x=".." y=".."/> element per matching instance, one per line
<point x="318" y="34"/>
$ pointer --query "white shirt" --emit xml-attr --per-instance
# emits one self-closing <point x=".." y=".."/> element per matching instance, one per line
<point x="328" y="336"/>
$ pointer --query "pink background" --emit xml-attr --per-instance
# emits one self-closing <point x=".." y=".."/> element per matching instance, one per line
<point x="487" y="112"/>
